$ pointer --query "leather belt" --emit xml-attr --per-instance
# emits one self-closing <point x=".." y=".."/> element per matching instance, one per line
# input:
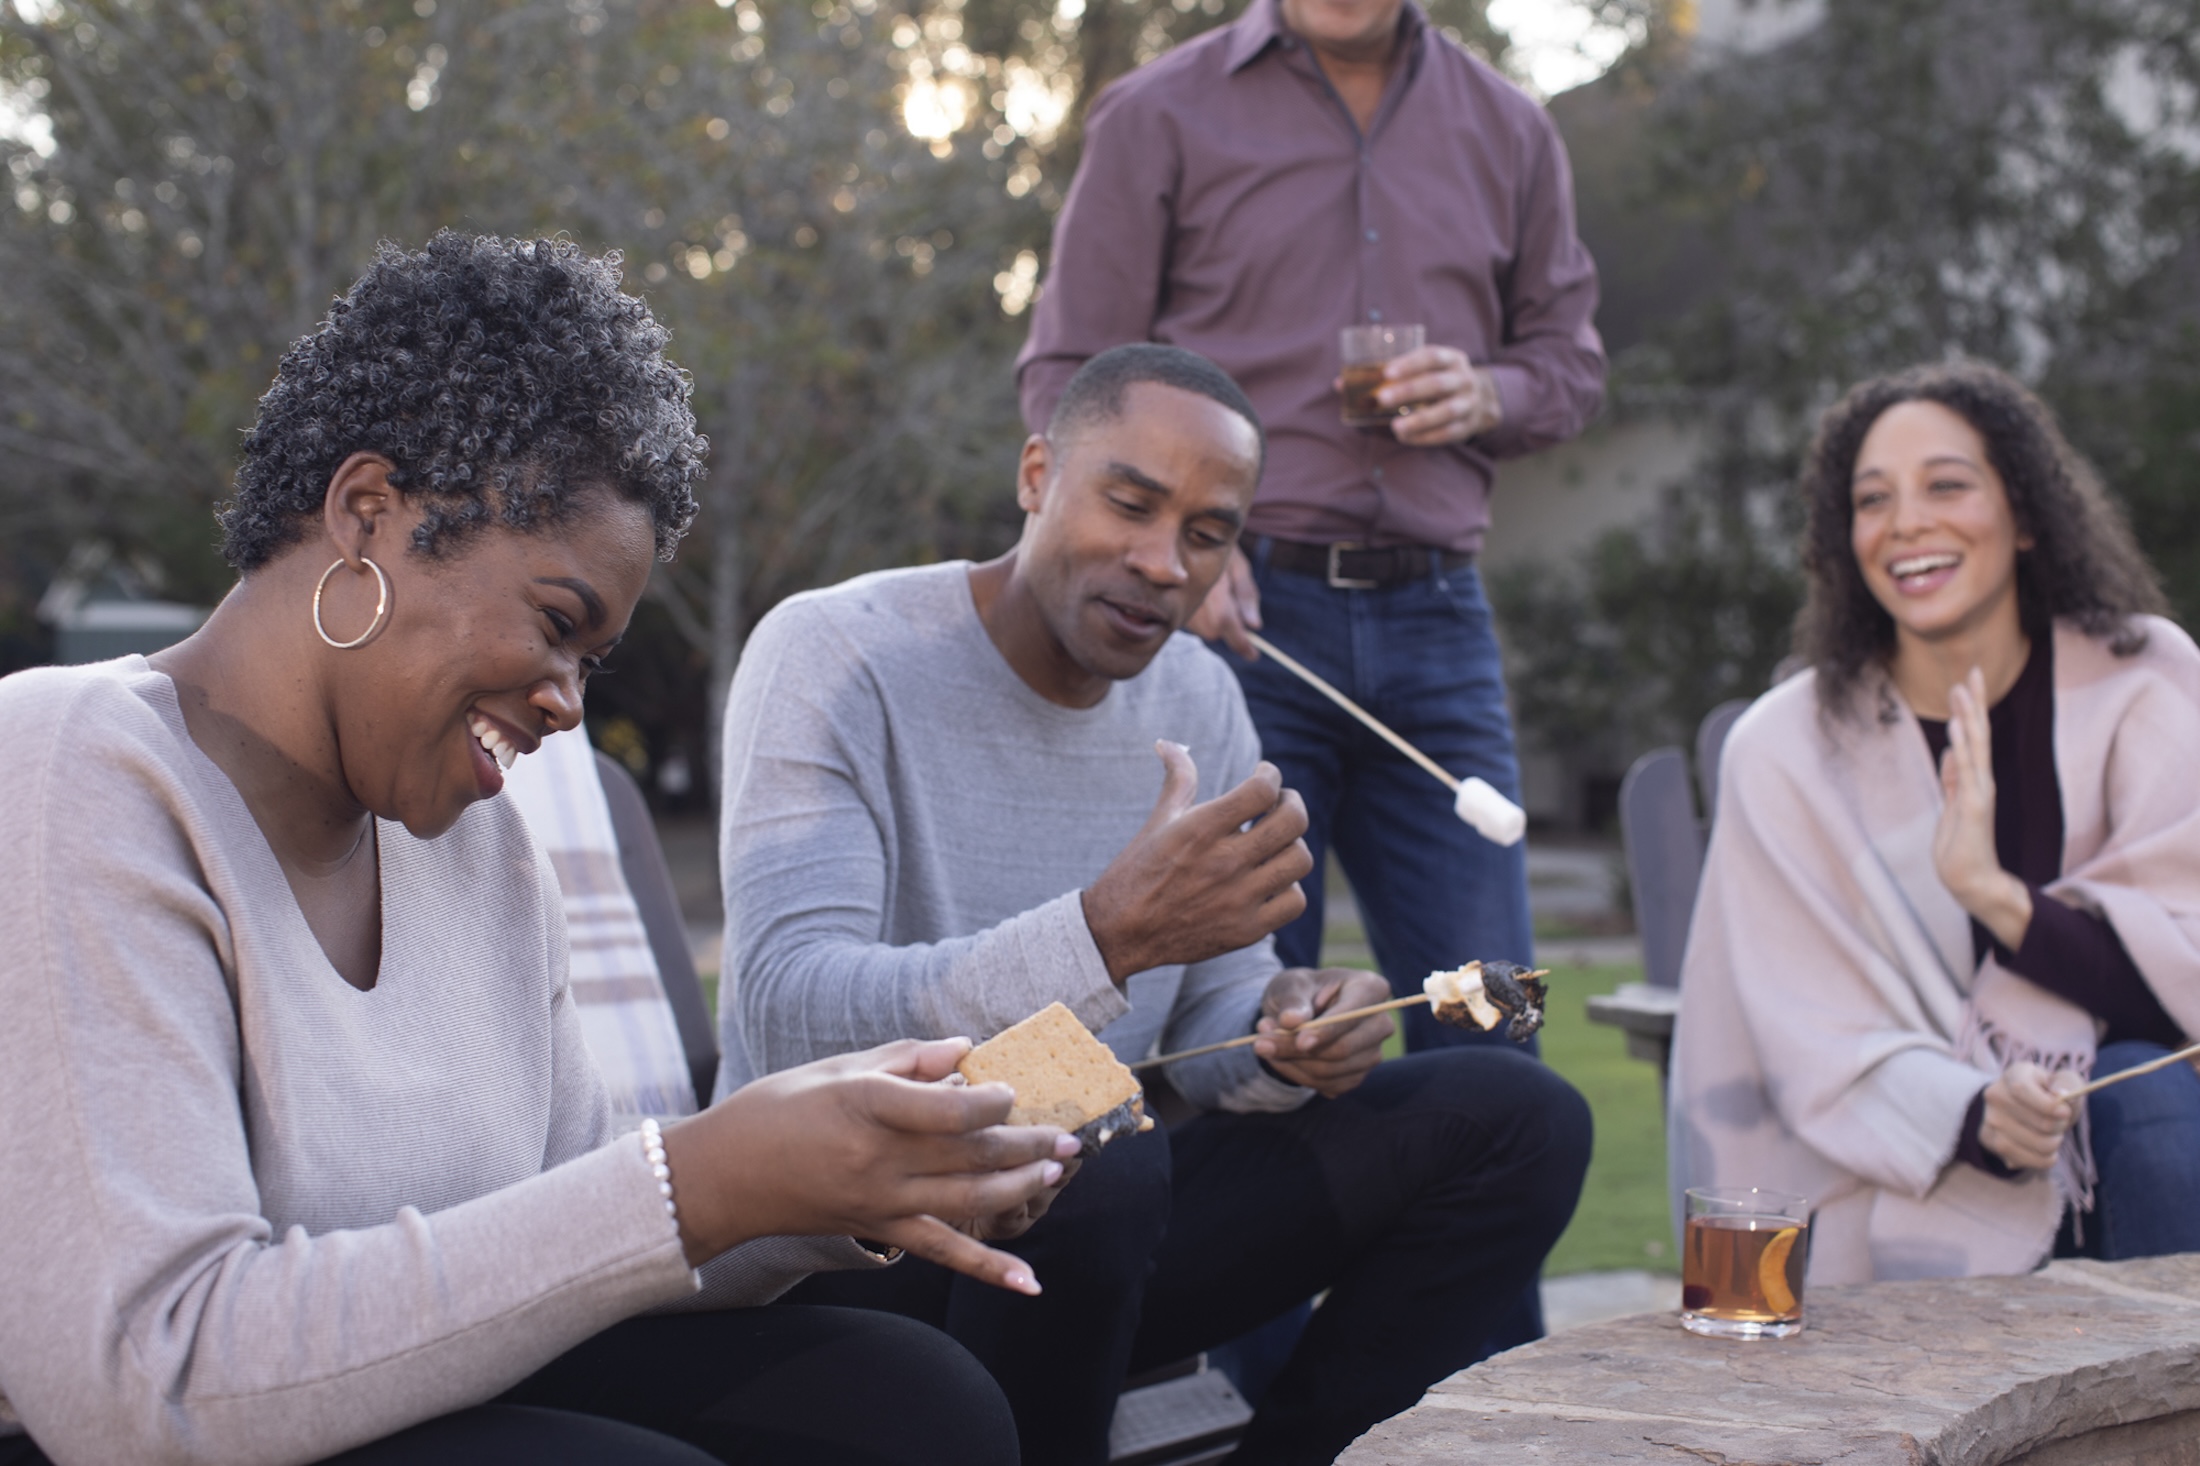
<point x="1347" y="566"/>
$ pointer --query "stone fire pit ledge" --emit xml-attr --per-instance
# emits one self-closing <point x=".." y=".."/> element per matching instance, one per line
<point x="2080" y="1362"/>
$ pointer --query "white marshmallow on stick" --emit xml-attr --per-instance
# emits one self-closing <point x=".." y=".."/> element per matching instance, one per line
<point x="1493" y="816"/>
<point x="1499" y="820"/>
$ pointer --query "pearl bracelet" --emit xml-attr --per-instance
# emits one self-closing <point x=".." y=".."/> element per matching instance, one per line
<point x="653" y="1151"/>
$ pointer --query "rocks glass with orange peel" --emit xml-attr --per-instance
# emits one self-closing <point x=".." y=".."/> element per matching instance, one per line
<point x="1743" y="1256"/>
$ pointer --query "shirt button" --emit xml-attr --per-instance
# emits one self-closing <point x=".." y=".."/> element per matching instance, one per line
<point x="1378" y="475"/>
<point x="1374" y="315"/>
<point x="1372" y="236"/>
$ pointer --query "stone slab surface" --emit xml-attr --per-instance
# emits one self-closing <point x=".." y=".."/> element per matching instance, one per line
<point x="1951" y="1372"/>
<point x="2171" y="1440"/>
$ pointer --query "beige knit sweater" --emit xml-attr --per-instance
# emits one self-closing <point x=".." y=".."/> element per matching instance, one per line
<point x="249" y="1213"/>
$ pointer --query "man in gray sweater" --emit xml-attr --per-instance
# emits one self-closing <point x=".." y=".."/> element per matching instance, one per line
<point x="943" y="811"/>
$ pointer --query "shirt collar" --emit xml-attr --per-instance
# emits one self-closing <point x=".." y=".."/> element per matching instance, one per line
<point x="1261" y="26"/>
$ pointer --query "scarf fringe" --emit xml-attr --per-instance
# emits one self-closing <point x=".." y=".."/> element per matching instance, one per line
<point x="2073" y="1173"/>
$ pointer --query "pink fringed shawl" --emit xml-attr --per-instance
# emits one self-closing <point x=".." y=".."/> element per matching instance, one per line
<point x="1834" y="1027"/>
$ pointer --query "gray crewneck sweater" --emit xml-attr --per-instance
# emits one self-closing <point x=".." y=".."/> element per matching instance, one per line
<point x="908" y="829"/>
<point x="249" y="1213"/>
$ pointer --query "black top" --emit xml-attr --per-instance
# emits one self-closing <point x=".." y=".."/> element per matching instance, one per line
<point x="2074" y="954"/>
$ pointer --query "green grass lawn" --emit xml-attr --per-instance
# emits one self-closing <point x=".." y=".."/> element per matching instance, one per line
<point x="1622" y="1220"/>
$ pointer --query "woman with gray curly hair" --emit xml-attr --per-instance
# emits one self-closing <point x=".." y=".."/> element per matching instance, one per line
<point x="301" y="1152"/>
<point x="1956" y="867"/>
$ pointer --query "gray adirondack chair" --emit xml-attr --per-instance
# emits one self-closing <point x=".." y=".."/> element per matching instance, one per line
<point x="1664" y="839"/>
<point x="642" y="862"/>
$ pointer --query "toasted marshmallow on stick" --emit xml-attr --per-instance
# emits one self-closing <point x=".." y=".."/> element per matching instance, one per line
<point x="1482" y="995"/>
<point x="1459" y="998"/>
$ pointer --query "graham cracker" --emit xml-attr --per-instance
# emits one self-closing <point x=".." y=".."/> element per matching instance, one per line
<point x="1062" y="1075"/>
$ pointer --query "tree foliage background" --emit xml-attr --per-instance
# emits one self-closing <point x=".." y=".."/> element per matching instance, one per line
<point x="839" y="207"/>
<point x="2017" y="180"/>
<point x="219" y="169"/>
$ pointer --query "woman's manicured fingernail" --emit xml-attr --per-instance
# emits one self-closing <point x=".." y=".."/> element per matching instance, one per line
<point x="1066" y="1146"/>
<point x="1024" y="1282"/>
<point x="1051" y="1172"/>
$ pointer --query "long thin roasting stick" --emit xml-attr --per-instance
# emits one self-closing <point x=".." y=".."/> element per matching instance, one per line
<point x="1314" y="680"/>
<point x="1326" y="1018"/>
<point x="1494" y="816"/>
<point x="2122" y="1074"/>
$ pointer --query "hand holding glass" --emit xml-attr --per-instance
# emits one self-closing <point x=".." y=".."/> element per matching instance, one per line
<point x="1367" y="350"/>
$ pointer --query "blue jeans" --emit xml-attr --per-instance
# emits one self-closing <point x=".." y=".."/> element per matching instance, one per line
<point x="1422" y="657"/>
<point x="2146" y="1144"/>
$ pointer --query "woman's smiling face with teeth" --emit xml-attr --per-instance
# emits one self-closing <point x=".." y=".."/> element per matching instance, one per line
<point x="485" y="655"/>
<point x="1932" y="528"/>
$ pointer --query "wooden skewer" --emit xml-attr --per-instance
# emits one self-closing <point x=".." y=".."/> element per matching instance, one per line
<point x="1326" y="1018"/>
<point x="1314" y="680"/>
<point x="2122" y="1074"/>
<point x="1346" y="1016"/>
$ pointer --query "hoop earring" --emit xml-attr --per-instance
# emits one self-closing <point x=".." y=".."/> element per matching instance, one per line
<point x="381" y="607"/>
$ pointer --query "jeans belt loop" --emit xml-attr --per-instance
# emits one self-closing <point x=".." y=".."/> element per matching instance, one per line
<point x="1338" y="580"/>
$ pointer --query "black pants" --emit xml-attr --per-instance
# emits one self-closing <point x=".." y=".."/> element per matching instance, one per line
<point x="759" y="1386"/>
<point x="1422" y="1202"/>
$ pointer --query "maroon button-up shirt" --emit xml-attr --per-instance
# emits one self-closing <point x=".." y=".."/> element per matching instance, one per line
<point x="1227" y="203"/>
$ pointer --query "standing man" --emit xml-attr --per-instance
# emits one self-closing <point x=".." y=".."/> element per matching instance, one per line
<point x="1317" y="164"/>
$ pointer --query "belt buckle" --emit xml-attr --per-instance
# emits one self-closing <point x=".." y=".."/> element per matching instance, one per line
<point x="1338" y="580"/>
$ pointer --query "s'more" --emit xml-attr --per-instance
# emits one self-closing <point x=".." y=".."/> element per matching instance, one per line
<point x="1062" y="1076"/>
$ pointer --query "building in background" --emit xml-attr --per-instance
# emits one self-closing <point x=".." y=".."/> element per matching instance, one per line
<point x="105" y="605"/>
<point x="1656" y="265"/>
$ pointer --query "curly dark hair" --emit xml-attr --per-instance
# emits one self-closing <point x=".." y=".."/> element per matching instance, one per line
<point x="504" y="379"/>
<point x="2084" y="566"/>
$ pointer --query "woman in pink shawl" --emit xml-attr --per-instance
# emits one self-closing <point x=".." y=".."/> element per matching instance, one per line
<point x="1956" y="867"/>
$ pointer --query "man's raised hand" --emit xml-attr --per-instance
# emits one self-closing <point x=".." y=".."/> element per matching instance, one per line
<point x="1201" y="879"/>
<point x="868" y="1145"/>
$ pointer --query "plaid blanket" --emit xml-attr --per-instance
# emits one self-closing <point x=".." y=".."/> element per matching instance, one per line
<point x="616" y="988"/>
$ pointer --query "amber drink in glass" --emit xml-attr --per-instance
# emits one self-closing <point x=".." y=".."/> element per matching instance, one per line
<point x="1367" y="350"/>
<point x="1742" y="1263"/>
